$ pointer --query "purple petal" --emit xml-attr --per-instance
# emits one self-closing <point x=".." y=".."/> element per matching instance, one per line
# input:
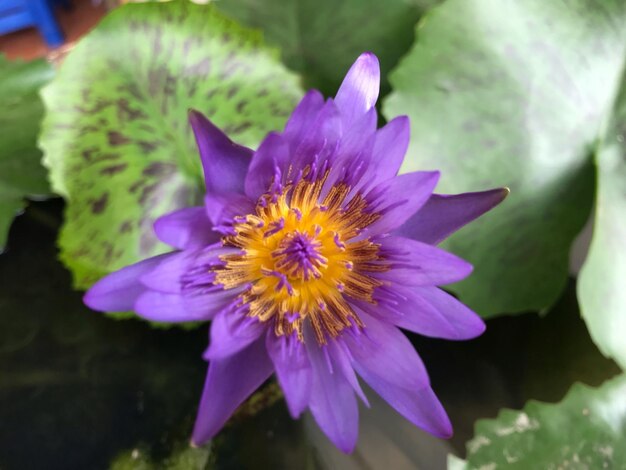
<point x="229" y="382"/>
<point x="269" y="160"/>
<point x="431" y="312"/>
<point x="382" y="349"/>
<point x="221" y="208"/>
<point x="354" y="152"/>
<point x="293" y="370"/>
<point x="118" y="291"/>
<point x="386" y="155"/>
<point x="176" y="308"/>
<point x="167" y="276"/>
<point x="184" y="268"/>
<point x="342" y="358"/>
<point x="443" y="215"/>
<point x="231" y="331"/>
<point x="303" y="117"/>
<point x="359" y="91"/>
<point x="186" y="229"/>
<point x="391" y="144"/>
<point x="277" y="156"/>
<point x="415" y="263"/>
<point x="420" y="407"/>
<point x="352" y="141"/>
<point x="332" y="401"/>
<point x="319" y="145"/>
<point x="225" y="163"/>
<point x="398" y="198"/>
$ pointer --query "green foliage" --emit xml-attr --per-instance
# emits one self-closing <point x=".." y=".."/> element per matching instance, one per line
<point x="586" y="430"/>
<point x="183" y="458"/>
<point x="601" y="286"/>
<point x="514" y="93"/>
<point x="322" y="38"/>
<point x="21" y="174"/>
<point x="116" y="138"/>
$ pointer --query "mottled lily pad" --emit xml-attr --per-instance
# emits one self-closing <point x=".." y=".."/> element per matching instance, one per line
<point x="116" y="138"/>
<point x="586" y="430"/>
<point x="513" y="93"/>
<point x="21" y="173"/>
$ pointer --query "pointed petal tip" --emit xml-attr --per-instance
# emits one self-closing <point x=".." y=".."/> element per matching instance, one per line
<point x="443" y="429"/>
<point x="430" y="178"/>
<point x="444" y="214"/>
<point x="98" y="302"/>
<point x="295" y="408"/>
<point x="201" y="124"/>
<point x="360" y="87"/>
<point x="313" y="95"/>
<point x="403" y="119"/>
<point x="445" y="433"/>
<point x="90" y="300"/>
<point x="403" y="125"/>
<point x="108" y="296"/>
<point x="194" y="112"/>
<point x="492" y="197"/>
<point x="193" y="115"/>
<point x="435" y="175"/>
<point x="497" y="195"/>
<point x="368" y="57"/>
<point x="481" y="327"/>
<point x="469" y="269"/>
<point x="367" y="63"/>
<point x="503" y="192"/>
<point x="345" y="443"/>
<point x="346" y="447"/>
<point x="197" y="440"/>
<point x="476" y="329"/>
<point x="295" y="414"/>
<point x="224" y="162"/>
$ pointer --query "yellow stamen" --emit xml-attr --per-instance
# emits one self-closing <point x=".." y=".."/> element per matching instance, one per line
<point x="298" y="256"/>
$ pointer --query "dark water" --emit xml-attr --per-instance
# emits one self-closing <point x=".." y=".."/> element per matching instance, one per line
<point x="81" y="391"/>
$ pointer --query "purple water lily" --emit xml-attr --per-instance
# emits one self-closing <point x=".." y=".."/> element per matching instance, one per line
<point x="308" y="256"/>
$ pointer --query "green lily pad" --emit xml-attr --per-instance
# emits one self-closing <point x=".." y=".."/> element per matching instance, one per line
<point x="116" y="137"/>
<point x="322" y="38"/>
<point x="585" y="430"/>
<point x="601" y="282"/>
<point x="21" y="173"/>
<point x="513" y="93"/>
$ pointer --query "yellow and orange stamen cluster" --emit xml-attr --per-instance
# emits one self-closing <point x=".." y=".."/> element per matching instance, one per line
<point x="298" y="257"/>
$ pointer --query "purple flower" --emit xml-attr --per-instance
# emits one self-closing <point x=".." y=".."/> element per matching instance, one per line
<point x="308" y="256"/>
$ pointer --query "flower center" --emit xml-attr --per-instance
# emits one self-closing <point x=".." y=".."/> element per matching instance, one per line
<point x="299" y="261"/>
<point x="298" y="256"/>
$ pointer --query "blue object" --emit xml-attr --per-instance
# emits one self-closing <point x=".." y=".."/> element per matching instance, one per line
<point x="20" y="14"/>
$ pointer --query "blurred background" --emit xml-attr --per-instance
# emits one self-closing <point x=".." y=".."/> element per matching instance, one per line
<point x="52" y="31"/>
